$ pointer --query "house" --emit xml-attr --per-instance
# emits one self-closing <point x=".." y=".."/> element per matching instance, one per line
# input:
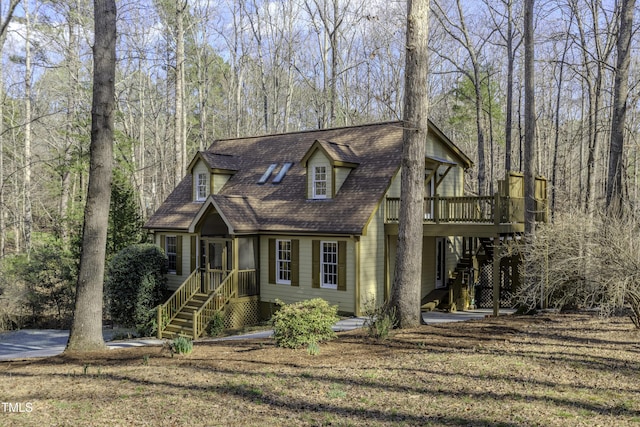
<point x="308" y="214"/>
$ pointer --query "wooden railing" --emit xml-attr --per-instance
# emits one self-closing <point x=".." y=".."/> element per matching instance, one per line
<point x="247" y="283"/>
<point x="216" y="301"/>
<point x="469" y="209"/>
<point x="168" y="310"/>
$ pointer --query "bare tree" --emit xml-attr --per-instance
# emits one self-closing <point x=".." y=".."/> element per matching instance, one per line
<point x="620" y="94"/>
<point x="4" y="25"/>
<point x="405" y="296"/>
<point x="86" y="330"/>
<point x="529" y="120"/>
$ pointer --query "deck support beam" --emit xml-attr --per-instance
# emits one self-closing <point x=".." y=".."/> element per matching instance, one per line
<point x="496" y="275"/>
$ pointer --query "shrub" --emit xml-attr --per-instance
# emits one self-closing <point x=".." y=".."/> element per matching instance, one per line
<point x="380" y="319"/>
<point x="583" y="261"/>
<point x="216" y="325"/>
<point x="39" y="286"/>
<point x="135" y="285"/>
<point x="182" y="345"/>
<point x="304" y="323"/>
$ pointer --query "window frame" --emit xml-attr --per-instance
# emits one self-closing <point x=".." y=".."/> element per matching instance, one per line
<point x="317" y="182"/>
<point x="170" y="254"/>
<point x="282" y="262"/>
<point x="201" y="184"/>
<point x="329" y="267"/>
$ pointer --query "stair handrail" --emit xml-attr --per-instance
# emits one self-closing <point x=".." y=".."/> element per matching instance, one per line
<point x="218" y="298"/>
<point x="168" y="311"/>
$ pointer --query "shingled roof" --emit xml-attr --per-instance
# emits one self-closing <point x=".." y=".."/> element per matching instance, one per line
<point x="250" y="207"/>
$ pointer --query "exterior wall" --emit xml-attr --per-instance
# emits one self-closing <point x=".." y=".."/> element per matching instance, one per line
<point x="200" y="167"/>
<point x="372" y="262"/>
<point x="341" y="175"/>
<point x="218" y="181"/>
<point x="319" y="159"/>
<point x="270" y="292"/>
<point x="175" y="280"/>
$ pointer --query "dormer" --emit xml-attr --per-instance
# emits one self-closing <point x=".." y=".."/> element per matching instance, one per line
<point x="210" y="172"/>
<point x="327" y="164"/>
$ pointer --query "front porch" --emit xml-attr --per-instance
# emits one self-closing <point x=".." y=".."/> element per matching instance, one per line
<point x="225" y="281"/>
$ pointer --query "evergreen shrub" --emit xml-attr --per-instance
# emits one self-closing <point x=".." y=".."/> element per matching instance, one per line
<point x="304" y="323"/>
<point x="135" y="284"/>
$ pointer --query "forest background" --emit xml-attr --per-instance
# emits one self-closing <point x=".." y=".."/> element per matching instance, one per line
<point x="191" y="71"/>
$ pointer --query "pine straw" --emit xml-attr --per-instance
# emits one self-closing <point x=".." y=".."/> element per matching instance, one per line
<point x="568" y="369"/>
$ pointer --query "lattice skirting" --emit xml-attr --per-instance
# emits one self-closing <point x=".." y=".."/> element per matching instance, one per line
<point x="242" y="312"/>
<point x="484" y="287"/>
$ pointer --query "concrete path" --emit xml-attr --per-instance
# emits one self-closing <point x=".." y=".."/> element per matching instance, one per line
<point x="29" y="343"/>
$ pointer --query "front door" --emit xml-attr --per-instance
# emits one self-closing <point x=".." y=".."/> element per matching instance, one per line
<point x="215" y="262"/>
<point x="441" y="280"/>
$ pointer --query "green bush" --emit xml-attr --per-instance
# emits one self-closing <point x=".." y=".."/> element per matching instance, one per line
<point x="40" y="285"/>
<point x="303" y="323"/>
<point x="380" y="319"/>
<point x="135" y="285"/>
<point x="216" y="325"/>
<point x="182" y="345"/>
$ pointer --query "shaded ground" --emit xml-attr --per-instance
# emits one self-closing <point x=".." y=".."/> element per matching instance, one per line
<point x="575" y="369"/>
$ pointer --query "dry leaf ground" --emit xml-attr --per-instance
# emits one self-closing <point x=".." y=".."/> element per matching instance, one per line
<point x="547" y="370"/>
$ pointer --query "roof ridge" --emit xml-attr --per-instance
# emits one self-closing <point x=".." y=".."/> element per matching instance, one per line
<point x="307" y="131"/>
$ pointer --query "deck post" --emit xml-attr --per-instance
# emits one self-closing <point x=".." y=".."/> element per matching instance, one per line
<point x="497" y="209"/>
<point x="496" y="275"/>
<point x="436" y="208"/>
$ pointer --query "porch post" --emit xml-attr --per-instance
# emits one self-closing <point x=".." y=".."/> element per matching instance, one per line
<point x="235" y="263"/>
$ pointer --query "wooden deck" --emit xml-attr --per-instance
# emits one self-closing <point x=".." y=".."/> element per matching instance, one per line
<point x="484" y="216"/>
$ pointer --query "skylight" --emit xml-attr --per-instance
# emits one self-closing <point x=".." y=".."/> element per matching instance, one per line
<point x="268" y="173"/>
<point x="282" y="173"/>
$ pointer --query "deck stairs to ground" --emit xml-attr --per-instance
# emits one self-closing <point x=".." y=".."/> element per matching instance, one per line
<point x="182" y="323"/>
<point x="474" y="254"/>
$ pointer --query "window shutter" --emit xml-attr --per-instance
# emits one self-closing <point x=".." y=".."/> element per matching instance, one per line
<point x="342" y="266"/>
<point x="179" y="255"/>
<point x="272" y="260"/>
<point x="194" y="255"/>
<point x="163" y="244"/>
<point x="315" y="259"/>
<point x="295" y="263"/>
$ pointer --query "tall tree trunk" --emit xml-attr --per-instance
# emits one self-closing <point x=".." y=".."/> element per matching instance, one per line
<point x="179" y="127"/>
<point x="620" y="93"/>
<point x="28" y="217"/>
<point x="556" y="142"/>
<point x="86" y="330"/>
<point x="4" y="25"/>
<point x="407" y="280"/>
<point x="529" y="121"/>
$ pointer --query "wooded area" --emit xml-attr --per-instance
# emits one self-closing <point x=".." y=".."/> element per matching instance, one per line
<point x="188" y="72"/>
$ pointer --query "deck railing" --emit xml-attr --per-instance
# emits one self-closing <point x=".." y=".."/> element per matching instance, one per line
<point x="469" y="209"/>
<point x="168" y="310"/>
<point x="216" y="301"/>
<point x="247" y="283"/>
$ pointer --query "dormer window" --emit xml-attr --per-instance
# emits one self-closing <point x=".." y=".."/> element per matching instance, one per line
<point x="320" y="182"/>
<point x="201" y="185"/>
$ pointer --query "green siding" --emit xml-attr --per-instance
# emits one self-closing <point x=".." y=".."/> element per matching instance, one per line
<point x="372" y="277"/>
<point x="269" y="291"/>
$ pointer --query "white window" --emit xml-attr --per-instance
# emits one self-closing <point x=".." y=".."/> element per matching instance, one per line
<point x="329" y="265"/>
<point x="320" y="182"/>
<point x="171" y="249"/>
<point x="283" y="262"/>
<point x="201" y="186"/>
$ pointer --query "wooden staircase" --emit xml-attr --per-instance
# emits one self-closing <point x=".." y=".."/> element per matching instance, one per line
<point x="188" y="311"/>
<point x="182" y="323"/>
